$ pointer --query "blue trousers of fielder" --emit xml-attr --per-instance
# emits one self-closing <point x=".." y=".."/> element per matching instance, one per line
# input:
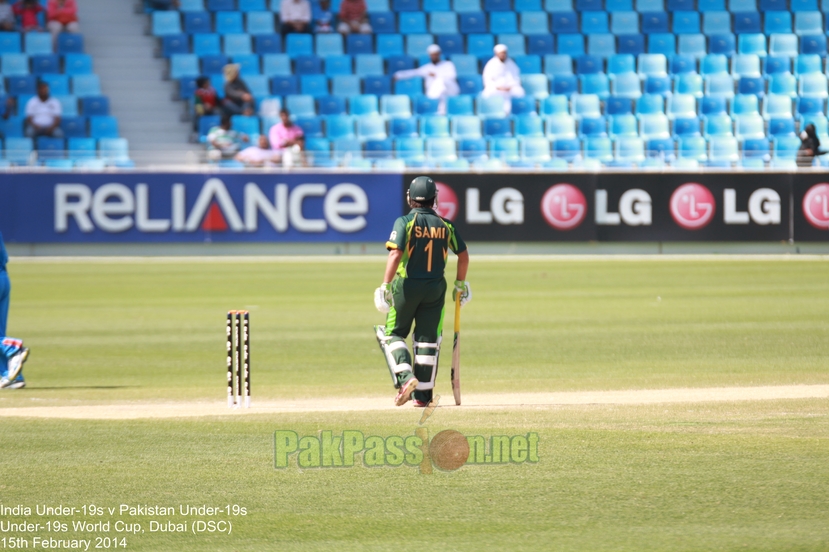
<point x="9" y="346"/>
<point x="420" y="302"/>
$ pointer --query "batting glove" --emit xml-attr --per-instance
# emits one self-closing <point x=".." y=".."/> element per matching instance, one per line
<point x="464" y="289"/>
<point x="383" y="298"/>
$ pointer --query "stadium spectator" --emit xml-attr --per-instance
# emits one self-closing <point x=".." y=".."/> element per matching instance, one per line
<point x="353" y="17"/>
<point x="260" y="155"/>
<point x="323" y="18"/>
<point x="502" y="78"/>
<point x="238" y="99"/>
<point x="62" y="17"/>
<point x="286" y="134"/>
<point x="7" y="21"/>
<point x="43" y="114"/>
<point x="441" y="77"/>
<point x="809" y="146"/>
<point x="27" y="11"/>
<point x="205" y="100"/>
<point x="223" y="141"/>
<point x="295" y="16"/>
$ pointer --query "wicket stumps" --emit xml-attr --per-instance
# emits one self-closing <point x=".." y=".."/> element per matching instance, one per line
<point x="238" y="358"/>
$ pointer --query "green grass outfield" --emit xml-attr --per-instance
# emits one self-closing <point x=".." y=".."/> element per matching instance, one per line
<point x="747" y="475"/>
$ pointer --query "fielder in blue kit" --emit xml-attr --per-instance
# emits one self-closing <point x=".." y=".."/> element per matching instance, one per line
<point x="12" y="352"/>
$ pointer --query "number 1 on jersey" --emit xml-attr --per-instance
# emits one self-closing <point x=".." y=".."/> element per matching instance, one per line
<point x="429" y="249"/>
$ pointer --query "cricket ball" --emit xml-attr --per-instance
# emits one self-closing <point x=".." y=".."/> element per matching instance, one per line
<point x="449" y="450"/>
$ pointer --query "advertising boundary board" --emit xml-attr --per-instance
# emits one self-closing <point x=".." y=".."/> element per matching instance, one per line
<point x="198" y="207"/>
<point x="259" y="207"/>
<point x="635" y="207"/>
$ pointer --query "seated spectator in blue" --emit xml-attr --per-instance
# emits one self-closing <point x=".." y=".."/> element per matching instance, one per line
<point x="502" y="77"/>
<point x="295" y="16"/>
<point x="323" y="18"/>
<point x="27" y="11"/>
<point x="164" y="4"/>
<point x="223" y="142"/>
<point x="205" y="100"/>
<point x="353" y="17"/>
<point x="238" y="99"/>
<point x="43" y="114"/>
<point x="260" y="155"/>
<point x="286" y="135"/>
<point x="441" y="77"/>
<point x="7" y="20"/>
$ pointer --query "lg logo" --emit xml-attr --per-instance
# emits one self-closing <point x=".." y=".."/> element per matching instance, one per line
<point x="692" y="206"/>
<point x="564" y="206"/>
<point x="816" y="206"/>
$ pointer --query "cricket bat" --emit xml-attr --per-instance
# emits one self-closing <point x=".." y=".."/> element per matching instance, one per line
<point x="456" y="352"/>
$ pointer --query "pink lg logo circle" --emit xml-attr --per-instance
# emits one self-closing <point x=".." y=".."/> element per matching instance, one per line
<point x="564" y="206"/>
<point x="816" y="206"/>
<point x="693" y="206"/>
<point x="447" y="206"/>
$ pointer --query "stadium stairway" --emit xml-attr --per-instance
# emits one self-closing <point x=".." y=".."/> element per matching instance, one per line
<point x="131" y="77"/>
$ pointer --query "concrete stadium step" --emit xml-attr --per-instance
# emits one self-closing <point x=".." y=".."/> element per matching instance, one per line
<point x="123" y="57"/>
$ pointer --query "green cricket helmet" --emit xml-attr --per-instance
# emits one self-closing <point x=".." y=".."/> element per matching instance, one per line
<point x="422" y="188"/>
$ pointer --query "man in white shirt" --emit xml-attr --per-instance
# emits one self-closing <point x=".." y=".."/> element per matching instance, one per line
<point x="295" y="16"/>
<point x="43" y="114"/>
<point x="440" y="77"/>
<point x="502" y="78"/>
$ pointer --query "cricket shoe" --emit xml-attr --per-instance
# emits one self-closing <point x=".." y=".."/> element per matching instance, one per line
<point x="17" y="383"/>
<point x="16" y="364"/>
<point x="406" y="392"/>
<point x="419" y="404"/>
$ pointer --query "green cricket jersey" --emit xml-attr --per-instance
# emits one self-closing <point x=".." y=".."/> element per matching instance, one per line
<point x="425" y="239"/>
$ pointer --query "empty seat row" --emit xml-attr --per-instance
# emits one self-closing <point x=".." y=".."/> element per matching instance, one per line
<point x="78" y="85"/>
<point x="59" y="153"/>
<point x="23" y="64"/>
<point x="40" y="43"/>
<point x="99" y="126"/>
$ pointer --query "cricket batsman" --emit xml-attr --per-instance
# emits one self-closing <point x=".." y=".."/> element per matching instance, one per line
<point x="12" y="352"/>
<point x="414" y="290"/>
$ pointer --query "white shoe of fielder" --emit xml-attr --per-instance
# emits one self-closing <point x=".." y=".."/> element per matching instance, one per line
<point x="16" y="364"/>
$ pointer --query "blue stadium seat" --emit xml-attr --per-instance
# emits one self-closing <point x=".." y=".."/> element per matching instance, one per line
<point x="81" y="148"/>
<point x="300" y="45"/>
<point x="565" y="85"/>
<point x="330" y="44"/>
<point x="410" y="151"/>
<point x="338" y="65"/>
<point x="497" y="5"/>
<point x="586" y="105"/>
<point x="300" y="106"/>
<point x="540" y="45"/>
<point x="804" y="5"/>
<point x="470" y="84"/>
<point x="776" y="106"/>
<point x="251" y="5"/>
<point x="405" y="5"/>
<point x="745" y="65"/>
<point x="103" y="127"/>
<point x="472" y="148"/>
<point x="618" y="5"/>
<point x="435" y="126"/>
<point x="311" y="127"/>
<point x="373" y="6"/>
<point x="681" y="106"/>
<point x="339" y="127"/>
<point x="365" y="104"/>
<point x="38" y="43"/>
<point x="307" y="65"/>
<point x="686" y="22"/>
<point x="371" y="127"/>
<point x="626" y="85"/>
<point x="783" y="45"/>
<point x="812" y="85"/>
<point x="603" y="45"/>
<point x="229" y="22"/>
<point x="465" y="126"/>
<point x="58" y="85"/>
<point x="504" y="149"/>
<point x="213" y="65"/>
<point x="284" y="85"/>
<point x="403" y="127"/>
<point x="781" y="127"/>
<point x="368" y="64"/>
<point x="588" y="65"/>
<point x="331" y="105"/>
<point x="528" y="64"/>
<point x="570" y="44"/>
<point x="383" y="22"/>
<point x="248" y="65"/>
<point x="631" y="44"/>
<point x="716" y="23"/>
<point x="377" y="85"/>
<point x="624" y="124"/>
<point x="805" y="63"/>
<point x="683" y="64"/>
<point x="466" y="6"/>
<point x="15" y="64"/>
<point x="503" y="21"/>
<point x="267" y="44"/>
<point x="589" y="5"/>
<point x="45" y="63"/>
<point x="689" y="83"/>
<point x="221" y="5"/>
<point x="237" y="44"/>
<point x="430" y="6"/>
<point x="692" y="45"/>
<point x="426" y="106"/>
<point x="399" y="63"/>
<point x="497" y="127"/>
<point x="523" y="106"/>
<point x="558" y="65"/>
<point x="813" y="44"/>
<point x="490" y="107"/>
<point x="624" y="22"/>
<point x="567" y="149"/>
<point x="258" y="85"/>
<point x="246" y="124"/>
<point x="536" y="22"/>
<point x="554" y="6"/>
<point x="777" y="22"/>
<point x="10" y="43"/>
<point x="175" y="44"/>
<point x="662" y="43"/>
<point x="397" y="105"/>
<point x="450" y="44"/>
<point x="443" y="23"/>
<point x="259" y="22"/>
<point x="95" y="105"/>
<point x="748" y="127"/>
<point x="70" y="43"/>
<point x="459" y="105"/>
<point x="412" y="23"/>
<point x="21" y="85"/>
<point x="389" y="45"/>
<point x="741" y="5"/>
<point x="86" y="85"/>
<point x="276" y="64"/>
<point x="681" y="5"/>
<point x="658" y="85"/>
<point x="618" y="106"/>
<point x="596" y="83"/>
<point x="652" y="64"/>
<point x="166" y="22"/>
<point x="416" y="44"/>
<point x="654" y="22"/>
<point x="592" y="126"/>
<point x="536" y="86"/>
<point x="747" y="22"/>
<point x="773" y="5"/>
<point x="74" y="126"/>
<point x="206" y="44"/>
<point x="535" y="149"/>
<point x="514" y="42"/>
<point x="722" y="44"/>
<point x="594" y="22"/>
<point x="784" y="151"/>
<point x="752" y="43"/>
<point x="198" y="22"/>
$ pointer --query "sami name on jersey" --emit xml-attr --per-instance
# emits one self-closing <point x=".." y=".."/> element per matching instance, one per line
<point x="425" y="239"/>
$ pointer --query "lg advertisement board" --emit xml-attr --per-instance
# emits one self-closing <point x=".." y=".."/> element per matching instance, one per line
<point x="635" y="207"/>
